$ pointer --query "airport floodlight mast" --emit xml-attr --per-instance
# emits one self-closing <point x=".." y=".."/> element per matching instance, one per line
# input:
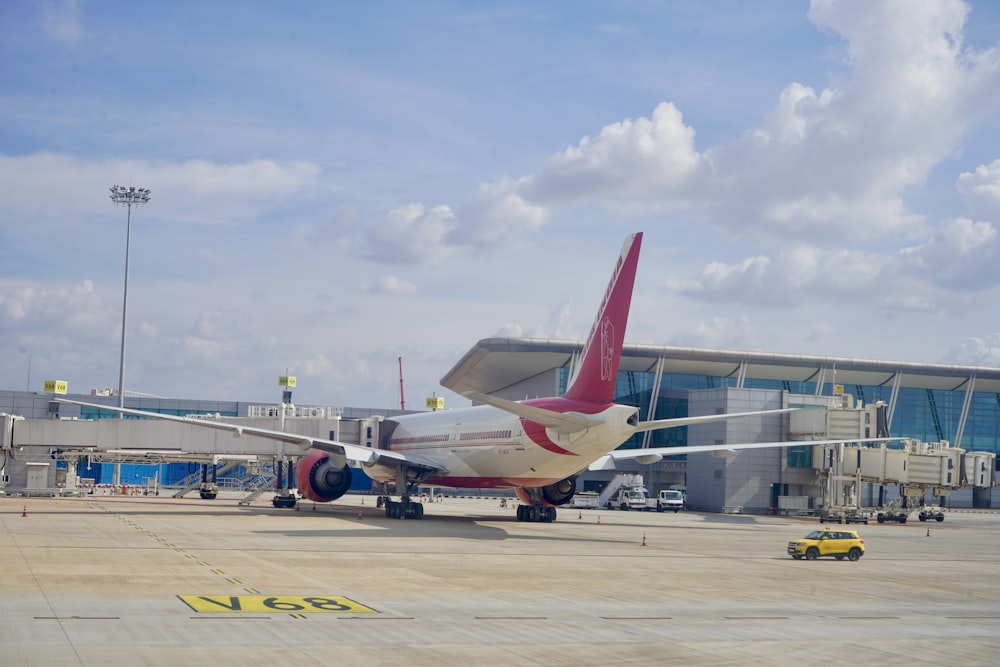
<point x="128" y="197"/>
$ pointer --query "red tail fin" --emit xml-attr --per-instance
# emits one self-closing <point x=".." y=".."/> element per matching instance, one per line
<point x="598" y="369"/>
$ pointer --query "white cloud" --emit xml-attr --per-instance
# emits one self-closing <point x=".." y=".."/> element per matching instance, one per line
<point x="496" y="216"/>
<point x="981" y="189"/>
<point x="962" y="255"/>
<point x="634" y="165"/>
<point x="390" y="284"/>
<point x="62" y="20"/>
<point x="717" y="332"/>
<point x="58" y="185"/>
<point x="412" y="234"/>
<point x="827" y="165"/>
<point x="976" y="351"/>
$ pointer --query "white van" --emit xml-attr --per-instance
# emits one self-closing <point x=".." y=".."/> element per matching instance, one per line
<point x="670" y="499"/>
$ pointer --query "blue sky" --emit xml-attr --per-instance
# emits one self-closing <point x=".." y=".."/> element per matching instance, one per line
<point x="337" y="185"/>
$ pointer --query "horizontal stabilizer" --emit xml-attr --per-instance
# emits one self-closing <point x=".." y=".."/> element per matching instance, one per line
<point x="563" y="422"/>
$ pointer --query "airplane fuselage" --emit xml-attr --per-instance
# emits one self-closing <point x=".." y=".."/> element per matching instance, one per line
<point x="485" y="447"/>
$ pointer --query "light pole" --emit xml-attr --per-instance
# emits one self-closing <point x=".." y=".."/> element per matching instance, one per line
<point x="127" y="197"/>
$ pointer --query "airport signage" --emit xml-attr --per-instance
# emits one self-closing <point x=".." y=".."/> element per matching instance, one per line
<point x="55" y="387"/>
<point x="266" y="604"/>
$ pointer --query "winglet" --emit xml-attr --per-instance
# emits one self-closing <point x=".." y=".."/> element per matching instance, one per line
<point x="598" y="370"/>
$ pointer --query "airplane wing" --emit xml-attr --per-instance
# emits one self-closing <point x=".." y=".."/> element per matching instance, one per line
<point x="655" y="454"/>
<point x="684" y="421"/>
<point x="563" y="422"/>
<point x="354" y="453"/>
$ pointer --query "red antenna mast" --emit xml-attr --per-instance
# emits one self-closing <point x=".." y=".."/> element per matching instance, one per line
<point x="402" y="399"/>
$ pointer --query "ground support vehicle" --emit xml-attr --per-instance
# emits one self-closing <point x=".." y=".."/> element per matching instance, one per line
<point x="931" y="514"/>
<point x="892" y="515"/>
<point x="586" y="500"/>
<point x="630" y="498"/>
<point x="668" y="499"/>
<point x="847" y="515"/>
<point x="839" y="544"/>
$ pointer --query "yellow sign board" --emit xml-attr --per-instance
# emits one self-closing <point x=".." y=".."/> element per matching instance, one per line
<point x="55" y="387"/>
<point x="838" y="389"/>
<point x="286" y="381"/>
<point x="268" y="604"/>
<point x="435" y="402"/>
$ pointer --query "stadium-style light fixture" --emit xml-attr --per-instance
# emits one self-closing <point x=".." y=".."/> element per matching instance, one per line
<point x="128" y="197"/>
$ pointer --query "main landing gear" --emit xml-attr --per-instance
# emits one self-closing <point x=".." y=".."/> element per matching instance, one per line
<point x="536" y="510"/>
<point x="543" y="513"/>
<point x="404" y="508"/>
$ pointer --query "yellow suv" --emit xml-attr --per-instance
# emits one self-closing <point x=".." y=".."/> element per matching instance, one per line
<point x="827" y="542"/>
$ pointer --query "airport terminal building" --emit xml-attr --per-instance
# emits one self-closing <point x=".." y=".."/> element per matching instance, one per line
<point x="927" y="402"/>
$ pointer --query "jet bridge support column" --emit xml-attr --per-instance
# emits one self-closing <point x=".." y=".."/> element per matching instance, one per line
<point x="283" y="496"/>
<point x="208" y="490"/>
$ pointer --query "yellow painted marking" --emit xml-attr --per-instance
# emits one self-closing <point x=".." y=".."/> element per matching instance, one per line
<point x="191" y="556"/>
<point x="258" y="604"/>
<point x="233" y="580"/>
<point x="215" y="571"/>
<point x="251" y="590"/>
<point x="202" y="563"/>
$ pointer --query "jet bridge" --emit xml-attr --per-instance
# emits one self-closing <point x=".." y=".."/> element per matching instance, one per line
<point x="151" y="441"/>
<point x="917" y="468"/>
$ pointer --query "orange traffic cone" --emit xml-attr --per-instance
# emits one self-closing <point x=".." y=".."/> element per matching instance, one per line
<point x="581" y="515"/>
<point x="643" y="539"/>
<point x="598" y="519"/>
<point x="24" y="511"/>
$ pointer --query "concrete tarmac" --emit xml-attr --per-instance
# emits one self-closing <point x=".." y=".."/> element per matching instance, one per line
<point x="111" y="580"/>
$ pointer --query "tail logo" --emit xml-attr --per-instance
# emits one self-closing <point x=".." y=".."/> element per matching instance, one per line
<point x="607" y="349"/>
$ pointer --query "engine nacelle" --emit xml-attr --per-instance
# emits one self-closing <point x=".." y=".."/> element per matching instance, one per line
<point x="559" y="493"/>
<point x="319" y="480"/>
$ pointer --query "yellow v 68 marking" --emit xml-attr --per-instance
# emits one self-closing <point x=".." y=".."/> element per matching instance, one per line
<point x="266" y="604"/>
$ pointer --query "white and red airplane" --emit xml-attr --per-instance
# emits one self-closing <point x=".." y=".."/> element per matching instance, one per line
<point x="536" y="447"/>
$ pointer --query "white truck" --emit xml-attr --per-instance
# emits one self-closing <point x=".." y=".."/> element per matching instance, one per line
<point x="669" y="499"/>
<point x="630" y="498"/>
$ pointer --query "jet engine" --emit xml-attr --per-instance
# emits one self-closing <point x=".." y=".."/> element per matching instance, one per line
<point x="559" y="493"/>
<point x="319" y="480"/>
